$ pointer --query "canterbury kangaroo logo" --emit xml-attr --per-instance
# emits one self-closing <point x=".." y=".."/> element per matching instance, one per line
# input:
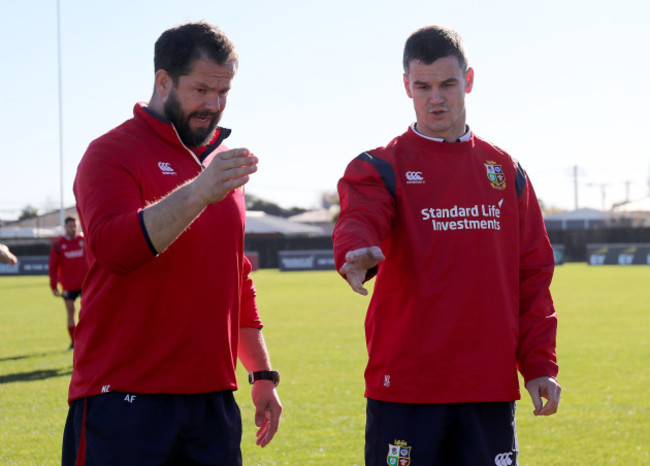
<point x="166" y="169"/>
<point x="414" y="177"/>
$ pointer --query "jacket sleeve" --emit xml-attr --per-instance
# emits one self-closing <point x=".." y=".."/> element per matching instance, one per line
<point x="249" y="314"/>
<point x="367" y="196"/>
<point x="536" y="355"/>
<point x="109" y="203"/>
<point x="53" y="266"/>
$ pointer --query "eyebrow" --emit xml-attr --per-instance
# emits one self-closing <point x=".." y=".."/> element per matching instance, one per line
<point x="203" y="84"/>
<point x="444" y="81"/>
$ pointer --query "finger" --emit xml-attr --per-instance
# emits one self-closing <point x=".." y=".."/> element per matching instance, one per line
<point x="269" y="429"/>
<point x="231" y="153"/>
<point x="356" y="284"/>
<point x="354" y="279"/>
<point x="239" y="171"/>
<point x="549" y="408"/>
<point x="537" y="402"/>
<point x="244" y="163"/>
<point x="352" y="256"/>
<point x="553" y="402"/>
<point x="375" y="253"/>
<point x="365" y="257"/>
<point x="234" y="183"/>
<point x="263" y="433"/>
<point x="260" y="417"/>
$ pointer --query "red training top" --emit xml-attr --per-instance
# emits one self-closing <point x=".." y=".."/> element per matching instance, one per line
<point x="67" y="264"/>
<point x="462" y="299"/>
<point x="157" y="323"/>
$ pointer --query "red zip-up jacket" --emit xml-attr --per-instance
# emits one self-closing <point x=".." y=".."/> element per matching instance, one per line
<point x="156" y="323"/>
<point x="462" y="300"/>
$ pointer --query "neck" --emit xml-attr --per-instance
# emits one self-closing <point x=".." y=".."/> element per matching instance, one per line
<point x="156" y="105"/>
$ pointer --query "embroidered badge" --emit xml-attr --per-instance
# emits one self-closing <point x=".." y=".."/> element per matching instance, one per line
<point x="495" y="175"/>
<point x="166" y="168"/>
<point x="414" y="177"/>
<point x="399" y="454"/>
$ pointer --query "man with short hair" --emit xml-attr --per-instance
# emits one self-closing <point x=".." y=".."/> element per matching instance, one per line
<point x="169" y="304"/>
<point x="451" y="227"/>
<point x="67" y="266"/>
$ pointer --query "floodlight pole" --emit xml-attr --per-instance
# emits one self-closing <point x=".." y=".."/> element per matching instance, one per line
<point x="575" y="187"/>
<point x="58" y="40"/>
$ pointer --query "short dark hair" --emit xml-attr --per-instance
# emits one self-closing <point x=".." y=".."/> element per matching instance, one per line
<point x="177" y="48"/>
<point x="430" y="43"/>
<point x="70" y="219"/>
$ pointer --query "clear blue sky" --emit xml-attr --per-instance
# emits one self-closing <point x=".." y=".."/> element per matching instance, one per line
<point x="559" y="84"/>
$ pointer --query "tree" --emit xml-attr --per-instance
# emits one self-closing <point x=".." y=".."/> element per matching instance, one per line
<point x="28" y="212"/>
<point x="255" y="203"/>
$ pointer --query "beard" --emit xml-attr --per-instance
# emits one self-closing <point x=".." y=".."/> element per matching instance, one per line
<point x="181" y="121"/>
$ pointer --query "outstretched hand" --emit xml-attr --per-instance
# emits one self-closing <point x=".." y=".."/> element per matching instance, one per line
<point x="357" y="264"/>
<point x="268" y="410"/>
<point x="544" y="387"/>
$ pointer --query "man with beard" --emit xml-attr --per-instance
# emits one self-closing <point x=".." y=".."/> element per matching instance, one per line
<point x="169" y="304"/>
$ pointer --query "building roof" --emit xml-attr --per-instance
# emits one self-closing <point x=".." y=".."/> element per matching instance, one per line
<point x="578" y="214"/>
<point x="257" y="223"/>
<point x="261" y="223"/>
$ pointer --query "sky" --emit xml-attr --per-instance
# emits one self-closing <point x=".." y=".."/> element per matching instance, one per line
<point x="561" y="85"/>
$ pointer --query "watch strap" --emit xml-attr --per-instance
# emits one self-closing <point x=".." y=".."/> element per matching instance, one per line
<point x="272" y="375"/>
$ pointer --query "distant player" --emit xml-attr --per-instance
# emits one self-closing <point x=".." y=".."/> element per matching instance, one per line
<point x="451" y="227"/>
<point x="68" y="267"/>
<point x="6" y="255"/>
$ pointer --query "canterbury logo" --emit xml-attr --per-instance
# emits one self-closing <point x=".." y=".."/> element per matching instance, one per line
<point x="414" y="178"/>
<point x="166" y="168"/>
<point x="503" y="459"/>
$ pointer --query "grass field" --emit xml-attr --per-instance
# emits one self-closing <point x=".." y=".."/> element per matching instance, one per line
<point x="314" y="329"/>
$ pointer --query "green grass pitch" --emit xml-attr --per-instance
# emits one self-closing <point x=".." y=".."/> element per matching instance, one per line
<point x="314" y="330"/>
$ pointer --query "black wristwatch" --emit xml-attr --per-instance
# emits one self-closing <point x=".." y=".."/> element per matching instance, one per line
<point x="264" y="375"/>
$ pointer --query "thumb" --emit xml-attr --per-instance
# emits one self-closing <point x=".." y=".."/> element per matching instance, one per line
<point x="538" y="403"/>
<point x="260" y="415"/>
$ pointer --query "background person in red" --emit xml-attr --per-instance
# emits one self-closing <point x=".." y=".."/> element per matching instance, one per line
<point x="451" y="226"/>
<point x="68" y="267"/>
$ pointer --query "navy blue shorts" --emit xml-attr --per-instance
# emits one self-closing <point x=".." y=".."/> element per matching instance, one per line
<point x="131" y="429"/>
<point x="71" y="294"/>
<point x="400" y="434"/>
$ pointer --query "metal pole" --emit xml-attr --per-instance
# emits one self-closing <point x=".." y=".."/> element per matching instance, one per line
<point x="58" y="38"/>
<point x="575" y="187"/>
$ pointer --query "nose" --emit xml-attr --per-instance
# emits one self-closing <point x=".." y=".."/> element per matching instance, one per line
<point x="213" y="104"/>
<point x="436" y="97"/>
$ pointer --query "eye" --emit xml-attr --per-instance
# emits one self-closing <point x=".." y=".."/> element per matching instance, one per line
<point x="202" y="90"/>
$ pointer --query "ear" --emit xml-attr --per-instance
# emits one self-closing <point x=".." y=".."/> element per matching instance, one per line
<point x="163" y="83"/>
<point x="407" y="86"/>
<point x="469" y="80"/>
